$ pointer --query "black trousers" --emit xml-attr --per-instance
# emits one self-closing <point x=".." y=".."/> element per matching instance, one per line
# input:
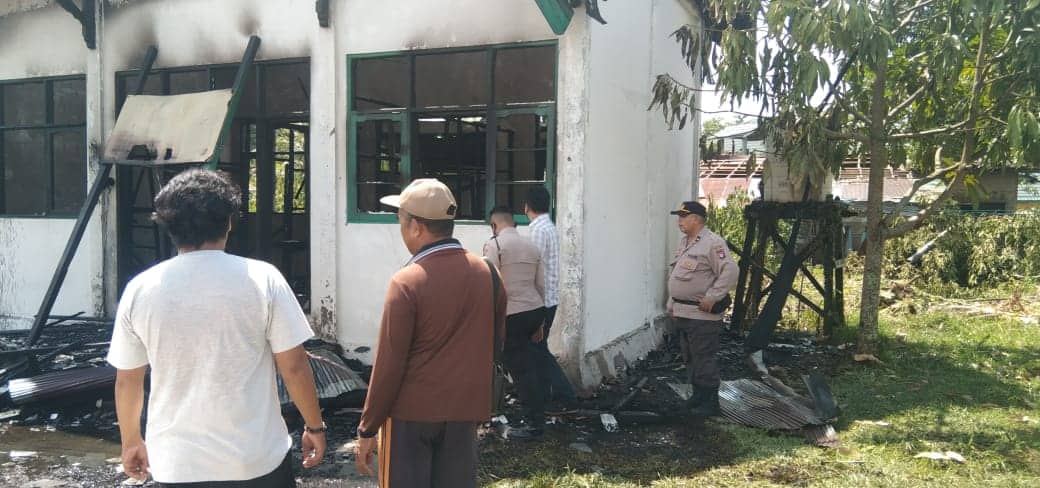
<point x="700" y="344"/>
<point x="281" y="477"/>
<point x="556" y="386"/>
<point x="427" y="454"/>
<point x="520" y="357"/>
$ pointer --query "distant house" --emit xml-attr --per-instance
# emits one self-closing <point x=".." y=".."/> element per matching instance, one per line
<point x="738" y="139"/>
<point x="1028" y="191"/>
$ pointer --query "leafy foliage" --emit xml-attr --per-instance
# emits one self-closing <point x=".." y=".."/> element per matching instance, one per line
<point x="898" y="81"/>
<point x="977" y="251"/>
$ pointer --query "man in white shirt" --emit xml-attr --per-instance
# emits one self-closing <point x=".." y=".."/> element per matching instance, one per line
<point x="212" y="327"/>
<point x="543" y="234"/>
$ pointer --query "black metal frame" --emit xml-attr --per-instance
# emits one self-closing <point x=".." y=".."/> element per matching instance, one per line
<point x="102" y="182"/>
<point x="827" y="247"/>
<point x="246" y="235"/>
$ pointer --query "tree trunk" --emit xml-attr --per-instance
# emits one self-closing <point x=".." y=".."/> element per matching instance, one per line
<point x="868" y="312"/>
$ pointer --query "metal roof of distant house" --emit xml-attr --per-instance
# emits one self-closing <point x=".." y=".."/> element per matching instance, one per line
<point x="1029" y="187"/>
<point x="743" y="131"/>
<point x="721" y="177"/>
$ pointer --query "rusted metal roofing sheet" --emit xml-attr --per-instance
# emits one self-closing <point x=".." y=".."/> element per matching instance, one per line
<point x="332" y="377"/>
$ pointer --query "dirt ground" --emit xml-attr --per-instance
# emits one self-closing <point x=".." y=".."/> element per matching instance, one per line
<point x="74" y="442"/>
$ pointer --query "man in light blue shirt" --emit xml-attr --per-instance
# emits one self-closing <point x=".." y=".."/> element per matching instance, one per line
<point x="543" y="234"/>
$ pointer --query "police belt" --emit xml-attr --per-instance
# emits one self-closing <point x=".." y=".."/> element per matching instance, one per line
<point x="719" y="306"/>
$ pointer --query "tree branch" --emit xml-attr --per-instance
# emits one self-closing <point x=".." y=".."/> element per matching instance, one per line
<point x="968" y="150"/>
<point x="833" y="134"/>
<point x="855" y="113"/>
<point x="834" y="86"/>
<point x="929" y="132"/>
<point x="906" y="103"/>
<point x="937" y="174"/>
<point x="908" y="14"/>
<point x="922" y="216"/>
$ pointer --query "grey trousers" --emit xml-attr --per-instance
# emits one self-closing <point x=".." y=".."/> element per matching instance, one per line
<point x="428" y="454"/>
<point x="699" y="340"/>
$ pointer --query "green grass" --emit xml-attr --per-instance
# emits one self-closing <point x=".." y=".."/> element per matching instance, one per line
<point x="948" y="383"/>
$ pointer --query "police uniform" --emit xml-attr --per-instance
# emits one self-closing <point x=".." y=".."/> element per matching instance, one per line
<point x="520" y="266"/>
<point x="703" y="269"/>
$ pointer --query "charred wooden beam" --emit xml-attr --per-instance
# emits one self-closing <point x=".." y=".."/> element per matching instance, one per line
<point x="85" y="16"/>
<point x="321" y="7"/>
<point x="101" y="182"/>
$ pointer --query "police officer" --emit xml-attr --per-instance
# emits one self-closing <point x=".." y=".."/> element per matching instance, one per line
<point x="703" y="273"/>
<point x="520" y="266"/>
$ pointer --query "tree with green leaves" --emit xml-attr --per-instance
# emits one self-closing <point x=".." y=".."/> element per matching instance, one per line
<point x="948" y="88"/>
<point x="713" y="125"/>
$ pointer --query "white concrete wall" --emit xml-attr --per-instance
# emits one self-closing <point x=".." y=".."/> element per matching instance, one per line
<point x="619" y="170"/>
<point x="636" y="171"/>
<point x="39" y="43"/>
<point x="200" y="32"/>
<point x="29" y="252"/>
<point x="45" y="42"/>
<point x="368" y="254"/>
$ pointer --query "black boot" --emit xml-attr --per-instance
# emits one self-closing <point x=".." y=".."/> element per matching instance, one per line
<point x="709" y="401"/>
<point x="695" y="400"/>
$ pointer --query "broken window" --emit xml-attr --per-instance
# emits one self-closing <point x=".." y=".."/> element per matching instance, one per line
<point x="427" y="114"/>
<point x="43" y="146"/>
<point x="266" y="153"/>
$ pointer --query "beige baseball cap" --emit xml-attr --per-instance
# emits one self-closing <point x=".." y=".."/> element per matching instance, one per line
<point x="425" y="197"/>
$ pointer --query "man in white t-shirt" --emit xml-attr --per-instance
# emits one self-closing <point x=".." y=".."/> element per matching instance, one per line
<point x="212" y="327"/>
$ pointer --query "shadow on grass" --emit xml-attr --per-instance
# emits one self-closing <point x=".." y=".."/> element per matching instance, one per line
<point x="953" y="383"/>
<point x="639" y="454"/>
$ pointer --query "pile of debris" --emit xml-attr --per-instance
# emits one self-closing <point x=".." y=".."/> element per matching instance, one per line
<point x="653" y="390"/>
<point x="62" y="382"/>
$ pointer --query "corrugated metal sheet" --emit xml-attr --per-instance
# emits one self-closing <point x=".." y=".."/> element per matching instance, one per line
<point x="62" y="384"/>
<point x="332" y="377"/>
<point x="756" y="404"/>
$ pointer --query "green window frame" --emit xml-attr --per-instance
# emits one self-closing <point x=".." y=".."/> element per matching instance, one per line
<point x="405" y="119"/>
<point x="58" y="124"/>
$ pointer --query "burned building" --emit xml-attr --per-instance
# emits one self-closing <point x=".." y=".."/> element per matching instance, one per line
<point x="349" y="100"/>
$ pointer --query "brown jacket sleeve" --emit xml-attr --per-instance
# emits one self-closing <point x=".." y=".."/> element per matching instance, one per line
<point x="395" y="340"/>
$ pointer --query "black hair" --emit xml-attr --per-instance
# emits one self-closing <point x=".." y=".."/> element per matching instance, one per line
<point x="538" y="199"/>
<point x="439" y="228"/>
<point x="196" y="206"/>
<point x="501" y="209"/>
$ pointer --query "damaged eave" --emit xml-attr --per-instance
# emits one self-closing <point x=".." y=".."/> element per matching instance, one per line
<point x="85" y="16"/>
<point x="321" y="7"/>
<point x="9" y="7"/>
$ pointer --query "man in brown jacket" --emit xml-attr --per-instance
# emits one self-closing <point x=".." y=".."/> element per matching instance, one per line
<point x="432" y="378"/>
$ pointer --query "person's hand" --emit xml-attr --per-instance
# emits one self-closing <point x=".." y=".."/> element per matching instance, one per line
<point x="135" y="459"/>
<point x="539" y="335"/>
<point x="313" y="448"/>
<point x="365" y="455"/>
<point x="706" y="304"/>
<point x="671" y="308"/>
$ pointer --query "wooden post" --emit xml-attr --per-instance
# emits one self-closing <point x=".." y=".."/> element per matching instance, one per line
<point x="765" y="226"/>
<point x="740" y="300"/>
